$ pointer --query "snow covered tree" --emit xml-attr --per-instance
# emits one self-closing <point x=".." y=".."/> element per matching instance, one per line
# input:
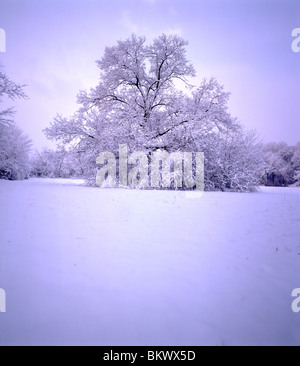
<point x="14" y="153"/>
<point x="8" y="90"/>
<point x="14" y="144"/>
<point x="138" y="102"/>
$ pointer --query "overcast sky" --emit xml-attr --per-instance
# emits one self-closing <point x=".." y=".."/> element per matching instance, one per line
<point x="52" y="46"/>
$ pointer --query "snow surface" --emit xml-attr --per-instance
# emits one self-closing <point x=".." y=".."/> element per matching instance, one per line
<point x="91" y="266"/>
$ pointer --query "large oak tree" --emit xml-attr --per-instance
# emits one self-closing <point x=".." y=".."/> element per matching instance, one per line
<point x="145" y="99"/>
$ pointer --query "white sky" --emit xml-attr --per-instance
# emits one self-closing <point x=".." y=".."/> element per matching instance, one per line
<point x="52" y="46"/>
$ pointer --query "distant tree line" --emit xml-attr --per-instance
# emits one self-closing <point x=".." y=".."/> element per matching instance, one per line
<point x="56" y="164"/>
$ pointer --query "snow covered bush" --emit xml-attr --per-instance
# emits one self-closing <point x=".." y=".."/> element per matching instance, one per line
<point x="281" y="164"/>
<point x="235" y="163"/>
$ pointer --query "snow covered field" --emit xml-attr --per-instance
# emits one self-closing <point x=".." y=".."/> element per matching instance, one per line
<point x="91" y="266"/>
